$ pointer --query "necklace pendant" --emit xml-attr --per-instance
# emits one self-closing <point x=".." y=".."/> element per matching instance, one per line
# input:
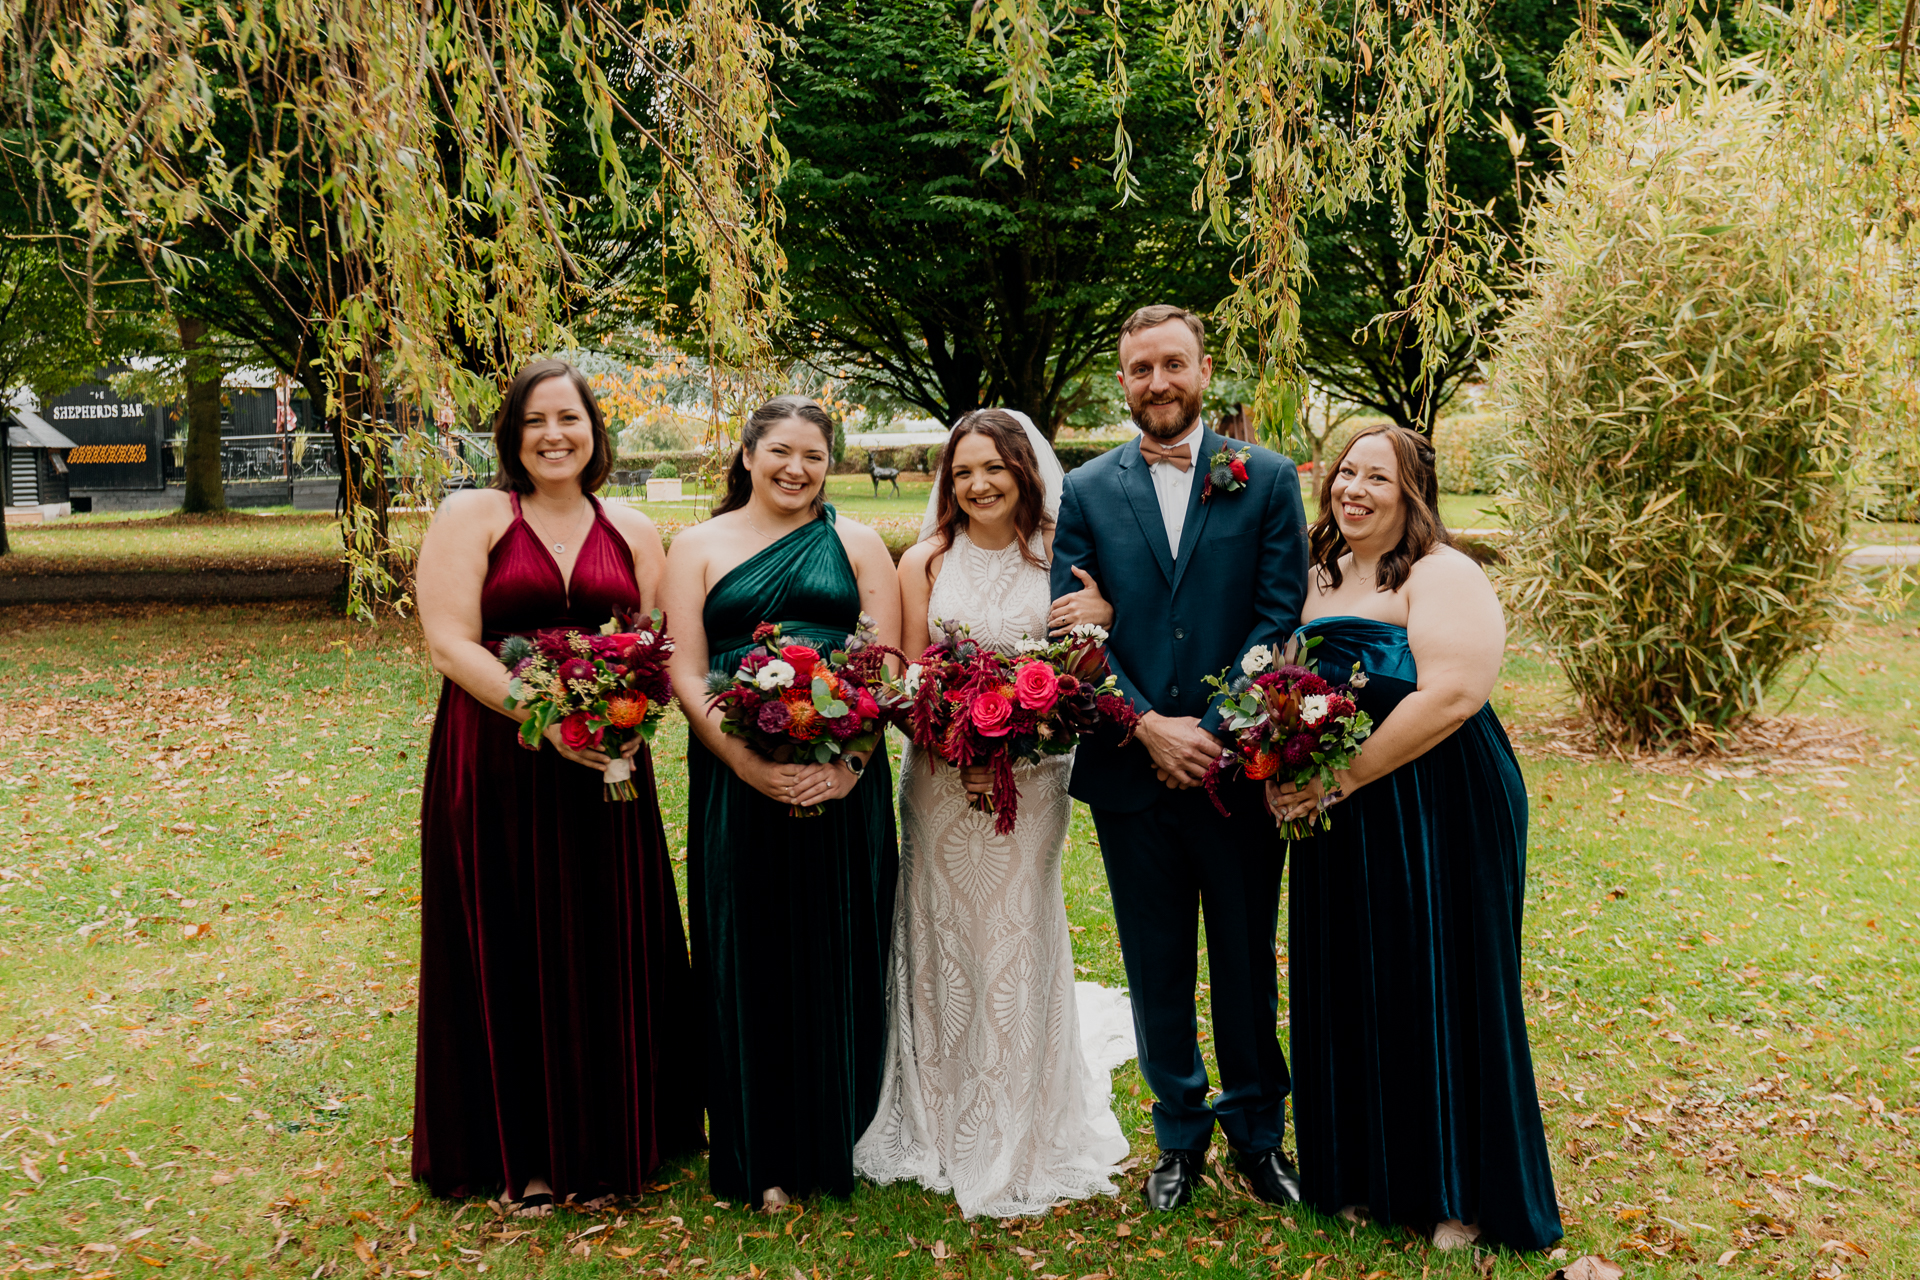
<point x="559" y="547"/>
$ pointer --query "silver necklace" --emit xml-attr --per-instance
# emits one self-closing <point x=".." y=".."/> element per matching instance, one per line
<point x="559" y="548"/>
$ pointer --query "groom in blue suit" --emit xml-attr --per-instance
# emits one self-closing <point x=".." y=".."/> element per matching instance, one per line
<point x="1198" y="574"/>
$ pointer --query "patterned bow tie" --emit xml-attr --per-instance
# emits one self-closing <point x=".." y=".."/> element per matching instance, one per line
<point x="1153" y="451"/>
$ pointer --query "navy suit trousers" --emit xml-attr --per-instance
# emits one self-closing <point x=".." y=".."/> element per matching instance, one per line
<point x="1166" y="865"/>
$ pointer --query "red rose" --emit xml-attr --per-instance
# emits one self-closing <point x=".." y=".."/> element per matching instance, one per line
<point x="865" y="706"/>
<point x="801" y="659"/>
<point x="991" y="713"/>
<point x="1239" y="470"/>
<point x="574" y="732"/>
<point x="1036" y="686"/>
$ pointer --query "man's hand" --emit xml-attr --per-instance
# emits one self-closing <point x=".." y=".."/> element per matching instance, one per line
<point x="1180" y="748"/>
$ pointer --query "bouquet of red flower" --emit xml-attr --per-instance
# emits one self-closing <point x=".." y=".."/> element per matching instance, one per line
<point x="602" y="690"/>
<point x="794" y="706"/>
<point x="1288" y="722"/>
<point x="973" y="706"/>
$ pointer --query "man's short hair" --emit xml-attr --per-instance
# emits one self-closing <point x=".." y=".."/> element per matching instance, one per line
<point x="1158" y="314"/>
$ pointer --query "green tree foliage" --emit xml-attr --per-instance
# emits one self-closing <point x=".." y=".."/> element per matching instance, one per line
<point x="950" y="281"/>
<point x="48" y="339"/>
<point x="1710" y="307"/>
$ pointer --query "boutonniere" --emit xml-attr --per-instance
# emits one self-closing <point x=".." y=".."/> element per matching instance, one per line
<point x="1226" y="472"/>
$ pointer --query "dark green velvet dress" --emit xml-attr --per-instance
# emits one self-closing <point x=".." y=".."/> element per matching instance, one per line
<point x="1413" y="1082"/>
<point x="790" y="917"/>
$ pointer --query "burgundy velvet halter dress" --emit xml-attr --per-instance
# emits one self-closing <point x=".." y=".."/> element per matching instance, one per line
<point x="555" y="990"/>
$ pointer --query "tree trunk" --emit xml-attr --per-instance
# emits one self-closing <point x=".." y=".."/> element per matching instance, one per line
<point x="205" y="489"/>
<point x="361" y="435"/>
<point x="4" y="473"/>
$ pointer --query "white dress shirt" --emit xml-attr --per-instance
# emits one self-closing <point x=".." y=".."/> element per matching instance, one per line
<point x="1174" y="487"/>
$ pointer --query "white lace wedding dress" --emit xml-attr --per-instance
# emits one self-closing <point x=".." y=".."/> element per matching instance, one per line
<point x="997" y="1083"/>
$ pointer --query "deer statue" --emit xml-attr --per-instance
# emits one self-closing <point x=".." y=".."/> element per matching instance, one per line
<point x="878" y="473"/>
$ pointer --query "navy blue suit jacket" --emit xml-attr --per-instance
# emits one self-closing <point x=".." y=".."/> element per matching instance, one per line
<point x="1239" y="581"/>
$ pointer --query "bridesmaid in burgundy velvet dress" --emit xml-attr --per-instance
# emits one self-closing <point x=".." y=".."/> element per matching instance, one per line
<point x="555" y="990"/>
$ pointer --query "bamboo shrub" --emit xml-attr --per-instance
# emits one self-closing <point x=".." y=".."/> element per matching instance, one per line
<point x="1686" y="383"/>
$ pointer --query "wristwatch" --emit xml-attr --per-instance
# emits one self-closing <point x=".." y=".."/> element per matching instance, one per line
<point x="854" y="764"/>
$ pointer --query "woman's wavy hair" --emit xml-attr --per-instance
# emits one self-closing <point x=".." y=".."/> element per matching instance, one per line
<point x="511" y="424"/>
<point x="739" y="481"/>
<point x="1016" y="451"/>
<point x="1420" y="489"/>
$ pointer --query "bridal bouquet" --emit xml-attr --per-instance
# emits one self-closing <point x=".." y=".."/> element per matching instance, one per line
<point x="794" y="705"/>
<point x="973" y="706"/>
<point x="1288" y="722"/>
<point x="602" y="690"/>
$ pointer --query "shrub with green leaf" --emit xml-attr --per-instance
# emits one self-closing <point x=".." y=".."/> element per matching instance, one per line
<point x="666" y="471"/>
<point x="1686" y="384"/>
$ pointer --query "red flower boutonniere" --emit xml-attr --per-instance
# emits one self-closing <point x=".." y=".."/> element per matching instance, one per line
<point x="1226" y="473"/>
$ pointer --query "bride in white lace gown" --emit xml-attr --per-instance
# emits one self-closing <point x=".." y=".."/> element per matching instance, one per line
<point x="997" y="1080"/>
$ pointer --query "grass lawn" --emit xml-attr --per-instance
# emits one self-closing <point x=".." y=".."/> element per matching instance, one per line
<point x="208" y="877"/>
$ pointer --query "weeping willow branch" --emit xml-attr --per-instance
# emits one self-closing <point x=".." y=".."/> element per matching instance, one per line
<point x="1311" y="107"/>
<point x="389" y="171"/>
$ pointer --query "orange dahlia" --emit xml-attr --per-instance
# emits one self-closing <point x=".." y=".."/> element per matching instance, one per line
<point x="626" y="712"/>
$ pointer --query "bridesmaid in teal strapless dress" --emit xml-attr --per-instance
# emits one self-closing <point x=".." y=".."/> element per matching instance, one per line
<point x="1414" y="1095"/>
<point x="1413" y="1081"/>
<point x="790" y="916"/>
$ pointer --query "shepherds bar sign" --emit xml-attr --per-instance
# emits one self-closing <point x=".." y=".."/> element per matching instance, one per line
<point x="71" y="412"/>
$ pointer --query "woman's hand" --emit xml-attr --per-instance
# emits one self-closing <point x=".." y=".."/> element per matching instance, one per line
<point x="590" y="758"/>
<point x="1288" y="803"/>
<point x="977" y="779"/>
<point x="1086" y="605"/>
<point x="798" y="784"/>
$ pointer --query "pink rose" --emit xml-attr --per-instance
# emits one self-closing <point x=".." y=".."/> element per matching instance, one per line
<point x="574" y="732"/>
<point x="801" y="659"/>
<point x="1036" y="686"/>
<point x="991" y="713"/>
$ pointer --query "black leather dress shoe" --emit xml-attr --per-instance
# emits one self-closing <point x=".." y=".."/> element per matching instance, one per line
<point x="1273" y="1176"/>
<point x="1171" y="1183"/>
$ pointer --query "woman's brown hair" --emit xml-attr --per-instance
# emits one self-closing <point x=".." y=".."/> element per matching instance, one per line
<point x="510" y="473"/>
<point x="1010" y="439"/>
<point x="1420" y="490"/>
<point x="739" y="482"/>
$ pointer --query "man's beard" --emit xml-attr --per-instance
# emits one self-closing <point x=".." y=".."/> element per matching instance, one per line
<point x="1177" y="417"/>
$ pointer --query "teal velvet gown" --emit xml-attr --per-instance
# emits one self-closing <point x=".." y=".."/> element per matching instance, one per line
<point x="790" y="917"/>
<point x="1413" y="1087"/>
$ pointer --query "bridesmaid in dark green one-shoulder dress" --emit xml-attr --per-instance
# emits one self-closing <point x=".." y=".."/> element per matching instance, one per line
<point x="789" y="916"/>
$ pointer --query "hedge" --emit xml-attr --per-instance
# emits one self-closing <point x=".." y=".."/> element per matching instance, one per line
<point x="1472" y="452"/>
